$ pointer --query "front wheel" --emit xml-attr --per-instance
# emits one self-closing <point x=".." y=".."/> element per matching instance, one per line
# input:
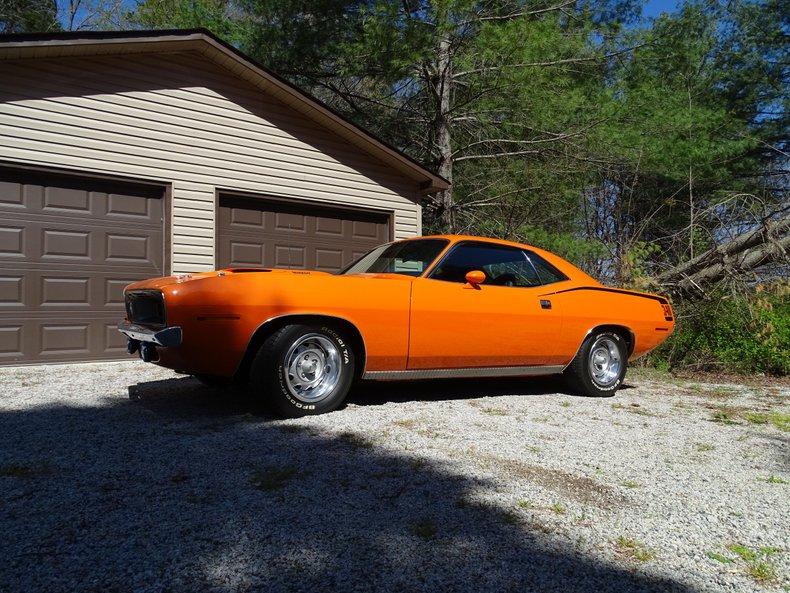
<point x="599" y="367"/>
<point x="302" y="370"/>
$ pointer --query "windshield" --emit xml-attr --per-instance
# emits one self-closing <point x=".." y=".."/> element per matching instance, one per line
<point x="404" y="257"/>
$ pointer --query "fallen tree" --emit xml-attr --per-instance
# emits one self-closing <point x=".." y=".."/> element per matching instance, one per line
<point x="766" y="244"/>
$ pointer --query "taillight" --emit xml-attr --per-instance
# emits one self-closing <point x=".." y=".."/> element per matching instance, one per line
<point x="667" y="311"/>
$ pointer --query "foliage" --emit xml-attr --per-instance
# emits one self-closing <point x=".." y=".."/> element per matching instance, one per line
<point x="746" y="333"/>
<point x="27" y="16"/>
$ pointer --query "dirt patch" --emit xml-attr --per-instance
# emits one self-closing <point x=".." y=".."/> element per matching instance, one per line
<point x="580" y="488"/>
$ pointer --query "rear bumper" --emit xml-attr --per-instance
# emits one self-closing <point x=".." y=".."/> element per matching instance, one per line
<point x="167" y="337"/>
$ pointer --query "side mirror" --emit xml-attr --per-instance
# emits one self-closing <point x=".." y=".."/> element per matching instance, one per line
<point x="475" y="278"/>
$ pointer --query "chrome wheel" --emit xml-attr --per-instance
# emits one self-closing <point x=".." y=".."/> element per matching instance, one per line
<point x="312" y="368"/>
<point x="604" y="362"/>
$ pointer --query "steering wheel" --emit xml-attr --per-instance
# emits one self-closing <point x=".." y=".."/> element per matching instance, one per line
<point x="506" y="279"/>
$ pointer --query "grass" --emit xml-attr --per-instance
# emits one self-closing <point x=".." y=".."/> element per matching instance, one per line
<point x="533" y="449"/>
<point x="758" y="564"/>
<point x="273" y="478"/>
<point x="633" y="550"/>
<point x="525" y="504"/>
<point x="712" y="390"/>
<point x="773" y="480"/>
<point x="510" y="517"/>
<point x="406" y="423"/>
<point x="424" y="529"/>
<point x="761" y="571"/>
<point x="179" y="477"/>
<point x="780" y="420"/>
<point x="355" y="441"/>
<point x="730" y="415"/>
<point x="17" y="470"/>
<point x="558" y="508"/>
<point x="633" y="409"/>
<point x="565" y="404"/>
<point x="494" y="411"/>
<point x="719" y="557"/>
<point x="630" y="484"/>
<point x="724" y="415"/>
<point x="703" y="447"/>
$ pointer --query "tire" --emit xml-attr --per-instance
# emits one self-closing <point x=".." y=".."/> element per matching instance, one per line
<point x="303" y="370"/>
<point x="214" y="381"/>
<point x="599" y="366"/>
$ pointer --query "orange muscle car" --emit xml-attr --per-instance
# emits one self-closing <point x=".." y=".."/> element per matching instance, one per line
<point x="429" y="307"/>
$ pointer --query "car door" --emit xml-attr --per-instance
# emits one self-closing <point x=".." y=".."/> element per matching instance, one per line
<point x="502" y="322"/>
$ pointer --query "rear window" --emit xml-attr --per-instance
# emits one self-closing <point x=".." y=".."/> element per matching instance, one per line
<point x="547" y="273"/>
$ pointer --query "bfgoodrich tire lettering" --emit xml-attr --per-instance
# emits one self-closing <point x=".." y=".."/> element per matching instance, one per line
<point x="599" y="367"/>
<point x="303" y="369"/>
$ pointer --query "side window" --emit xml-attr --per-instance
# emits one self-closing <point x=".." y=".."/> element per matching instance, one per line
<point x="503" y="266"/>
<point x="547" y="273"/>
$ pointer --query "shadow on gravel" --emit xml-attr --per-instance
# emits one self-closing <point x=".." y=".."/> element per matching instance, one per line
<point x="181" y="490"/>
<point x="382" y="392"/>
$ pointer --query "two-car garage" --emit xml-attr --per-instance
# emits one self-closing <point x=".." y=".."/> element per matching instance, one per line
<point x="70" y="244"/>
<point x="126" y="156"/>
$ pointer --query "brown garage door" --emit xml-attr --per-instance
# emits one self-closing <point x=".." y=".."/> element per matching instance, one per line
<point x="68" y="246"/>
<point x="256" y="232"/>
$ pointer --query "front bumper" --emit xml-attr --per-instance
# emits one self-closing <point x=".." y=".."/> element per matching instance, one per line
<point x="167" y="337"/>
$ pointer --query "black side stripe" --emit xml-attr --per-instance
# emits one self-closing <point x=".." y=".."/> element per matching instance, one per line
<point x="654" y="297"/>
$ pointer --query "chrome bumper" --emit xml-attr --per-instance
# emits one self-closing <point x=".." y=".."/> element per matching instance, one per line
<point x="167" y="337"/>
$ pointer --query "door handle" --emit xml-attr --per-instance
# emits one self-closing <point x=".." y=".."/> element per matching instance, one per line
<point x="545" y="304"/>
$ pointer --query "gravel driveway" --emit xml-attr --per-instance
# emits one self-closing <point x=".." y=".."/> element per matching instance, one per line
<point x="127" y="477"/>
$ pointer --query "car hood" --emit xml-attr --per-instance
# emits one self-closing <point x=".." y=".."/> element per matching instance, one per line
<point x="160" y="283"/>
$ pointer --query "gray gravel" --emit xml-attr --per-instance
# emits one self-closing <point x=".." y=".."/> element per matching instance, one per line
<point x="127" y="477"/>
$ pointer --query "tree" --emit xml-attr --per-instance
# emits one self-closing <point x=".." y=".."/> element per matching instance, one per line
<point x="487" y="88"/>
<point x="28" y="16"/>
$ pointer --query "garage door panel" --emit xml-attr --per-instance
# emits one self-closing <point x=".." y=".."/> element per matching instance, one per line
<point x="328" y="260"/>
<point x="12" y="240"/>
<point x="246" y="254"/>
<point x="68" y="247"/>
<point x="65" y="290"/>
<point x="268" y="233"/>
<point x="290" y="256"/>
<point x="12" y="290"/>
<point x="10" y="341"/>
<point x="70" y="200"/>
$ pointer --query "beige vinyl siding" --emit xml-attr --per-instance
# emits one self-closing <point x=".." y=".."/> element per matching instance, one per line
<point x="181" y="119"/>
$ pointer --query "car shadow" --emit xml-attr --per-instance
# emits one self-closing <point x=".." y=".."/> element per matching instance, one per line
<point x="179" y="489"/>
<point x="185" y="397"/>
<point x="366" y="393"/>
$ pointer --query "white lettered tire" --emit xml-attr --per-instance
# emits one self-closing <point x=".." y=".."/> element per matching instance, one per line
<point x="303" y="369"/>
<point x="599" y="367"/>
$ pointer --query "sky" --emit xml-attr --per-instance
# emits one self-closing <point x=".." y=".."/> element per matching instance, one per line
<point x="654" y="8"/>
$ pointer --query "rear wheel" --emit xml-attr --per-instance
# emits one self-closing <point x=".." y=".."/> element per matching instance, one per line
<point x="599" y="367"/>
<point x="302" y="370"/>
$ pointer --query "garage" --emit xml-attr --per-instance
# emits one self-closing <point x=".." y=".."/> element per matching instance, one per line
<point x="68" y="246"/>
<point x="268" y="233"/>
<point x="134" y="154"/>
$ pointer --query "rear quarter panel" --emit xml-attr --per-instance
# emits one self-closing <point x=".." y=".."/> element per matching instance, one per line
<point x="585" y="308"/>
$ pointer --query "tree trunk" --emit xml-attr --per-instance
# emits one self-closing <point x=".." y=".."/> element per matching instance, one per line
<point x="767" y="232"/>
<point x="767" y="244"/>
<point x="443" y="142"/>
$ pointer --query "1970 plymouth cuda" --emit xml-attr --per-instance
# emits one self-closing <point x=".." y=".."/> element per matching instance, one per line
<point x="429" y="307"/>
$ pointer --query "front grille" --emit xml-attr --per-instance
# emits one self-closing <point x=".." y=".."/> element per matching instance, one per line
<point x="146" y="307"/>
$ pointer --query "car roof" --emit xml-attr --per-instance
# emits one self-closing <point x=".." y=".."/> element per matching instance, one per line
<point x="566" y="267"/>
<point x="457" y="238"/>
